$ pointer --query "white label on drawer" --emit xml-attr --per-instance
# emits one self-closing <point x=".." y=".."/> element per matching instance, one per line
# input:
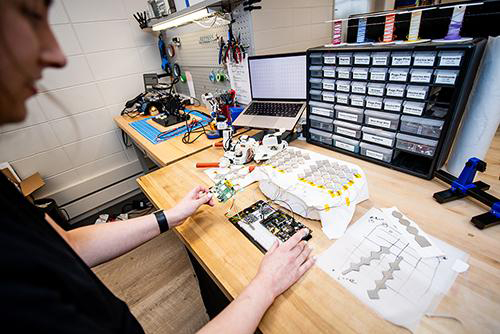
<point x="397" y="76"/>
<point x="395" y="91"/>
<point x="401" y="60"/>
<point x="448" y="79"/>
<point x="375" y="104"/>
<point x="358" y="89"/>
<point x="329" y="85"/>
<point x="357" y="102"/>
<point x="347" y="132"/>
<point x="361" y="60"/>
<point x="379" y="122"/>
<point x="344" y="60"/>
<point x="380" y="60"/>
<point x="450" y="60"/>
<point x="345" y="146"/>
<point x="343" y="75"/>
<point x="329" y="97"/>
<point x="330" y="60"/>
<point x="347" y="116"/>
<point x="393" y="106"/>
<point x="377" y="91"/>
<point x="420" y="77"/>
<point x="343" y="87"/>
<point x="416" y="94"/>
<point x="329" y="73"/>
<point x="377" y="139"/>
<point x="412" y="109"/>
<point x="423" y="61"/>
<point x="377" y="75"/>
<point x="360" y="75"/>
<point x="342" y="99"/>
<point x="375" y="155"/>
<point x="321" y="111"/>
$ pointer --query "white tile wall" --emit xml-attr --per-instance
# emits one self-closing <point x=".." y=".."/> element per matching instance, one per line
<point x="67" y="39"/>
<point x="115" y="63"/>
<point x="112" y="35"/>
<point x="47" y="163"/>
<point x="121" y="89"/>
<point x="95" y="10"/>
<point x="93" y="148"/>
<point x="76" y="72"/>
<point x="57" y="14"/>
<point x="35" y="116"/>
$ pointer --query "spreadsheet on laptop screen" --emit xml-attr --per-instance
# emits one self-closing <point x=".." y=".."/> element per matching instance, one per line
<point x="278" y="77"/>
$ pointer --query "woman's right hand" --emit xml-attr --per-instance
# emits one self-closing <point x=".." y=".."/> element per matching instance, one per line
<point x="284" y="264"/>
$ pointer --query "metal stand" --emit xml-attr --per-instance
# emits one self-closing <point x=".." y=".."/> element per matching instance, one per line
<point x="464" y="186"/>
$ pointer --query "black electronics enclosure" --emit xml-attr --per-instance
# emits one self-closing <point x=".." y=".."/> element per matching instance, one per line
<point x="402" y="114"/>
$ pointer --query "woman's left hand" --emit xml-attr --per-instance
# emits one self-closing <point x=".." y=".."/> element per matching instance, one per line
<point x="188" y="205"/>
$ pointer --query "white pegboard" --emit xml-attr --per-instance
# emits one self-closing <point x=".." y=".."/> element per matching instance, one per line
<point x="243" y="27"/>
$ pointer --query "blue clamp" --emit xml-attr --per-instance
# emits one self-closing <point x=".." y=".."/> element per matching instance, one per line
<point x="495" y="209"/>
<point x="466" y="178"/>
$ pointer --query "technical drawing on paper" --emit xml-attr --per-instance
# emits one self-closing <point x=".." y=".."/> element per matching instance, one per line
<point x="376" y="261"/>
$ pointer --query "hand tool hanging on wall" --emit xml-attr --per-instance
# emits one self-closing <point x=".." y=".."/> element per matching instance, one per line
<point x="233" y="50"/>
<point x="142" y="19"/>
<point x="165" y="64"/>
<point x="247" y="5"/>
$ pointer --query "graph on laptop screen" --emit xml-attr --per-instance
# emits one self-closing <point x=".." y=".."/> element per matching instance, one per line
<point x="278" y="77"/>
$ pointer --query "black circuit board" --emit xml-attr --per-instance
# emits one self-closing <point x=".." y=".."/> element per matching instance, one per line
<point x="279" y="223"/>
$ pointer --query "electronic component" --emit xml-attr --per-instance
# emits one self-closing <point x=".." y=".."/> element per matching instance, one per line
<point x="223" y="190"/>
<point x="262" y="225"/>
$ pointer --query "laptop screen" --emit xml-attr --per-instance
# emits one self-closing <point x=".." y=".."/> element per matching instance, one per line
<point x="281" y="77"/>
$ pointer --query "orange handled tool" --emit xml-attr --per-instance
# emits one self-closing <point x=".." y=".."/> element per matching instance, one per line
<point x="207" y="164"/>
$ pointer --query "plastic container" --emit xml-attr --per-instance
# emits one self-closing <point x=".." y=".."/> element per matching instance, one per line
<point x="328" y="84"/>
<point x="421" y="126"/>
<point x="450" y="58"/>
<point x="316" y="71"/>
<point x="315" y="83"/>
<point x="321" y="136"/>
<point x="235" y="112"/>
<point x="360" y="73"/>
<point x="445" y="77"/>
<point x="321" y="108"/>
<point x="358" y="87"/>
<point x="321" y="123"/>
<point x="417" y="145"/>
<point x="417" y="92"/>
<point x="393" y="105"/>
<point x="398" y="74"/>
<point x="402" y="58"/>
<point x="344" y="72"/>
<point x="361" y="58"/>
<point x="376" y="89"/>
<point x="347" y="129"/>
<point x="316" y="58"/>
<point x="378" y="73"/>
<point x="315" y="94"/>
<point x="376" y="152"/>
<point x="424" y="58"/>
<point x="357" y="100"/>
<point x="330" y="58"/>
<point x="378" y="136"/>
<point x="349" y="114"/>
<point x="382" y="119"/>
<point x="374" y="102"/>
<point x="347" y="144"/>
<point x="329" y="71"/>
<point x="342" y="98"/>
<point x="421" y="75"/>
<point x="395" y="90"/>
<point x="413" y="108"/>
<point x="328" y="96"/>
<point x="344" y="58"/>
<point x="380" y="58"/>
<point x="343" y="86"/>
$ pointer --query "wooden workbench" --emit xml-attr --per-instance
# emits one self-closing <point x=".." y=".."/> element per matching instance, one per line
<point x="317" y="304"/>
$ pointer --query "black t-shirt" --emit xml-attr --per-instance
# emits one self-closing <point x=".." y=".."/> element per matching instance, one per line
<point x="45" y="287"/>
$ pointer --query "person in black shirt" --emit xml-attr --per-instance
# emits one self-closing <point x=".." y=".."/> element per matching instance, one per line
<point x="46" y="285"/>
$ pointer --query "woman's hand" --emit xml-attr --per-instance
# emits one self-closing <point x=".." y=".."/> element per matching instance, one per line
<point x="284" y="264"/>
<point x="188" y="205"/>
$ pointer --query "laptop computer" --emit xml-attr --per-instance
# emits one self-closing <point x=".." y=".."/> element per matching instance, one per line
<point x="278" y="88"/>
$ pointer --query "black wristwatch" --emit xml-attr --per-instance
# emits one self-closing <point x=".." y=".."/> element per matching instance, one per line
<point x="162" y="221"/>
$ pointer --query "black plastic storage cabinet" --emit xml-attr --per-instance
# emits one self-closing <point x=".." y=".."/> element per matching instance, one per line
<point x="398" y="105"/>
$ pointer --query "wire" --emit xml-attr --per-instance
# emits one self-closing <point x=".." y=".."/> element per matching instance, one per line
<point x="126" y="140"/>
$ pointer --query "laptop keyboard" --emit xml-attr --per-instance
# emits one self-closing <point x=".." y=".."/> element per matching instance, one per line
<point x="274" y="109"/>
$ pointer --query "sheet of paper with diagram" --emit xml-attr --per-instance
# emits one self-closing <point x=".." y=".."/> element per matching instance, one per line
<point x="392" y="266"/>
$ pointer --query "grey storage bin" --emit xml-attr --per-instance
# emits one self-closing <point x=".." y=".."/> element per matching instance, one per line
<point x="413" y="108"/>
<point x="357" y="100"/>
<point x="445" y="77"/>
<point x="321" y="136"/>
<point x="422" y="126"/>
<point x="344" y="72"/>
<point x="329" y="71"/>
<point x="380" y="58"/>
<point x="395" y="90"/>
<point x="401" y="58"/>
<point x="315" y="94"/>
<point x="330" y="58"/>
<point x="347" y="144"/>
<point x="316" y="58"/>
<point x="315" y="83"/>
<point x="376" y="89"/>
<point x="344" y="58"/>
<point x="321" y="108"/>
<point x="362" y="58"/>
<point x="343" y="86"/>
<point x="393" y="105"/>
<point x="378" y="136"/>
<point x="374" y="102"/>
<point x="329" y="96"/>
<point x="342" y="98"/>
<point x="329" y="84"/>
<point x="358" y="87"/>
<point x="398" y="74"/>
<point x="360" y="73"/>
<point x="414" y="144"/>
<point x="378" y="73"/>
<point x="347" y="129"/>
<point x="417" y="92"/>
<point x="322" y="123"/>
<point x="316" y="71"/>
<point x="421" y="75"/>
<point x="424" y="58"/>
<point x="450" y="58"/>
<point x="376" y="152"/>
<point x="349" y="114"/>
<point x="382" y="119"/>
